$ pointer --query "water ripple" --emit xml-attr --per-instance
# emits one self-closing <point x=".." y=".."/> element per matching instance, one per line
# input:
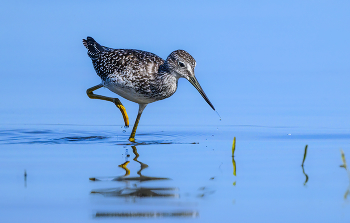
<point x="81" y="135"/>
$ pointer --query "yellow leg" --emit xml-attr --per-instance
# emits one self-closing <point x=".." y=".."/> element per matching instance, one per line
<point x="134" y="150"/>
<point x="143" y="165"/>
<point x="133" y="132"/>
<point x="116" y="101"/>
<point x="127" y="171"/>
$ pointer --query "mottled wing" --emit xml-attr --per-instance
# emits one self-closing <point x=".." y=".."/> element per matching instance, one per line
<point x="127" y="63"/>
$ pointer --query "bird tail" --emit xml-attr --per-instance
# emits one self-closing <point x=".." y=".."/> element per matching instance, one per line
<point x="94" y="49"/>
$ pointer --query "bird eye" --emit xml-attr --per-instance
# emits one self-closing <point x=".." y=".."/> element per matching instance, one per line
<point x="181" y="64"/>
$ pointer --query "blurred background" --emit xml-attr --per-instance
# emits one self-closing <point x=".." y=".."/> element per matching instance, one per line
<point x="265" y="63"/>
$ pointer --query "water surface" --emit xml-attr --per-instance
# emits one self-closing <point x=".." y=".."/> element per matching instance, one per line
<point x="85" y="173"/>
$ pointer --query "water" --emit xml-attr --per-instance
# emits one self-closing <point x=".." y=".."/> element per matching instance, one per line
<point x="86" y="173"/>
<point x="277" y="72"/>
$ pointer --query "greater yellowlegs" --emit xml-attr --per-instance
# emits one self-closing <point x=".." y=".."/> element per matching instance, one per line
<point x="139" y="76"/>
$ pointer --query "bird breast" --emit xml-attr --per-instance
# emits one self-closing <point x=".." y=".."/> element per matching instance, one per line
<point x="142" y="89"/>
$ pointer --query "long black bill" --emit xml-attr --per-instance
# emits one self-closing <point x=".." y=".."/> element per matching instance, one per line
<point x="195" y="83"/>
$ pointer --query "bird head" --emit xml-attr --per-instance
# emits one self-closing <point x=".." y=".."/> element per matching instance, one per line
<point x="182" y="64"/>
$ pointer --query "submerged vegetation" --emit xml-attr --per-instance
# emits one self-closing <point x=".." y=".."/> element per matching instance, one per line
<point x="344" y="165"/>
<point x="233" y="155"/>
<point x="302" y="166"/>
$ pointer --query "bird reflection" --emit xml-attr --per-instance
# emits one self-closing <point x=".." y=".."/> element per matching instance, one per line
<point x="136" y="191"/>
<point x="124" y="166"/>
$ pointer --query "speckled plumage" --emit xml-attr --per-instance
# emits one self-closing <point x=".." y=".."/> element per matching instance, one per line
<point x="136" y="75"/>
<point x="139" y="76"/>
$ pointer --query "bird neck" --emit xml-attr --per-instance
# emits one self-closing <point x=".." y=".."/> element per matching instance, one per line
<point x="164" y="69"/>
<point x="166" y="80"/>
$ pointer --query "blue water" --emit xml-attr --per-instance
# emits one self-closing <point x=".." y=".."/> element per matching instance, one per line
<point x="277" y="72"/>
<point x="75" y="174"/>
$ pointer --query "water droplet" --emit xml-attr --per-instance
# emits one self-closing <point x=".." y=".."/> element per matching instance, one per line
<point x="218" y="114"/>
<point x="124" y="131"/>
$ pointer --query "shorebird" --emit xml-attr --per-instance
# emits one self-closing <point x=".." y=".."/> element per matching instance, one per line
<point x="139" y="76"/>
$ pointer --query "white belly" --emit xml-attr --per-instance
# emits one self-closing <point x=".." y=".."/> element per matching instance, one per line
<point x="128" y="93"/>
